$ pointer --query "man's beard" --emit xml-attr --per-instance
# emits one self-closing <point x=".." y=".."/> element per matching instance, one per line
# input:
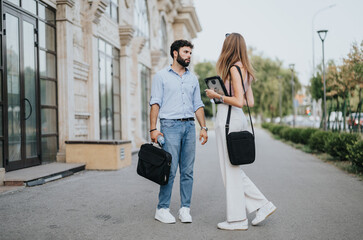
<point x="181" y="61"/>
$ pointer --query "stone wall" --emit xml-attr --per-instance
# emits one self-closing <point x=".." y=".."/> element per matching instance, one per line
<point x="80" y="23"/>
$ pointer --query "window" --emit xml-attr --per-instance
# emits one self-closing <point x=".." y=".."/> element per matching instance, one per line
<point x="141" y="19"/>
<point x="144" y="75"/>
<point x="110" y="96"/>
<point x="163" y="37"/>
<point x="112" y="10"/>
<point x="48" y="83"/>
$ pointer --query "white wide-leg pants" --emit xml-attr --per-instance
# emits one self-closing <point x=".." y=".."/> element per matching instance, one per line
<point x="241" y="193"/>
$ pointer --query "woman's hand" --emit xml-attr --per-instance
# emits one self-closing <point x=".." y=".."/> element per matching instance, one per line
<point x="212" y="94"/>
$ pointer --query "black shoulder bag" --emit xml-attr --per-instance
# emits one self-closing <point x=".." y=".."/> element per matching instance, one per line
<point x="154" y="163"/>
<point x="240" y="145"/>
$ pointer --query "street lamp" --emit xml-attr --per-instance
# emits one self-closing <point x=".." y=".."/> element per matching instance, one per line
<point x="291" y="66"/>
<point x="312" y="29"/>
<point x="322" y="36"/>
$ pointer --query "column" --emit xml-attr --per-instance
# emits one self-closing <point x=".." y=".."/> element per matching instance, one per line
<point x="65" y="74"/>
<point x="126" y="33"/>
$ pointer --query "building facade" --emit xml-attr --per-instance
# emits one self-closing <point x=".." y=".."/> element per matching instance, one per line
<point x="81" y="70"/>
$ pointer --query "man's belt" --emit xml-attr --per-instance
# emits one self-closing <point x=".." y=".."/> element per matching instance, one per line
<point x="185" y="119"/>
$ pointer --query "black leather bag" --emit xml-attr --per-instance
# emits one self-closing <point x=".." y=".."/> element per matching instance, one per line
<point x="154" y="164"/>
<point x="240" y="145"/>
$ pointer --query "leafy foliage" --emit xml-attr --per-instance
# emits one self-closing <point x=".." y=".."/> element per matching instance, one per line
<point x="272" y="80"/>
<point x="355" y="155"/>
<point x="306" y="133"/>
<point x="317" y="140"/>
<point x="337" y="144"/>
<point x="204" y="70"/>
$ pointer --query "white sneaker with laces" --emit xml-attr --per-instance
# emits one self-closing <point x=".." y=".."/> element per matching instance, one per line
<point x="234" y="226"/>
<point x="184" y="215"/>
<point x="264" y="212"/>
<point x="163" y="215"/>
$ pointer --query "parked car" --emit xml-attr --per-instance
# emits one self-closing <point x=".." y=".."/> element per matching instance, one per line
<point x="353" y="119"/>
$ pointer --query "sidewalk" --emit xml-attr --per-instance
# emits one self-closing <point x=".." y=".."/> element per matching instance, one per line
<point x="38" y="175"/>
<point x="315" y="200"/>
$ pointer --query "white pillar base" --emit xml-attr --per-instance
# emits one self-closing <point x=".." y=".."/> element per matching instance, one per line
<point x="2" y="176"/>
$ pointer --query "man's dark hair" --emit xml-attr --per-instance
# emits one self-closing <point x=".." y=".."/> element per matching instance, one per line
<point x="179" y="44"/>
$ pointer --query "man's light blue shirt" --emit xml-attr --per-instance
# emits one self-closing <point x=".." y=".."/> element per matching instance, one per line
<point x="178" y="97"/>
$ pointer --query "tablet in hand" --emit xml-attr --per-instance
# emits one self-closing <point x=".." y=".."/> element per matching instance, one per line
<point x="216" y="83"/>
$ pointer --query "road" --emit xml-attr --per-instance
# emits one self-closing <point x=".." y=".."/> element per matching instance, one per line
<point x="315" y="200"/>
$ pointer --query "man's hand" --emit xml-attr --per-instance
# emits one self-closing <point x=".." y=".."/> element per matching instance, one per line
<point x="203" y="134"/>
<point x="154" y="135"/>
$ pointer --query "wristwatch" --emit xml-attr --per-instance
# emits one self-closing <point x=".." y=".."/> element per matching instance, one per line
<point x="205" y="128"/>
<point x="221" y="99"/>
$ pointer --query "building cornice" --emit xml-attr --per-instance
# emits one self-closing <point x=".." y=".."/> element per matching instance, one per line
<point x="70" y="3"/>
<point x="188" y="17"/>
<point x="155" y="57"/>
<point x="97" y="9"/>
<point x="126" y="33"/>
<point x="193" y="16"/>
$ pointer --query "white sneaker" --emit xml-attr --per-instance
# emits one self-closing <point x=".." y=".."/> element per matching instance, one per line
<point x="240" y="225"/>
<point x="163" y="215"/>
<point x="263" y="213"/>
<point x="184" y="215"/>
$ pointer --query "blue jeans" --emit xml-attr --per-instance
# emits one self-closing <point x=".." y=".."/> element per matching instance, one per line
<point x="180" y="143"/>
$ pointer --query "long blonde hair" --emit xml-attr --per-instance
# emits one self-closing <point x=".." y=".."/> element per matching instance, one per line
<point x="234" y="50"/>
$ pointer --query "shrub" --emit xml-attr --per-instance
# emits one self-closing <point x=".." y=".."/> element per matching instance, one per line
<point x="280" y="132"/>
<point x="332" y="144"/>
<point x="355" y="155"/>
<point x="276" y="129"/>
<point x="286" y="133"/>
<point x="295" y="135"/>
<point x="265" y="125"/>
<point x="306" y="134"/>
<point x="318" y="139"/>
<point x="337" y="144"/>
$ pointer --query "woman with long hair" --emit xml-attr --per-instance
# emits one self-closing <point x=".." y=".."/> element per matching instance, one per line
<point x="242" y="196"/>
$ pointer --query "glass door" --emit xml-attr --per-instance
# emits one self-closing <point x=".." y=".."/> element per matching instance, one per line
<point x="22" y="101"/>
<point x="106" y="88"/>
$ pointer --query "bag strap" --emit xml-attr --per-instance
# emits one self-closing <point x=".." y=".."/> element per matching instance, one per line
<point x="230" y="107"/>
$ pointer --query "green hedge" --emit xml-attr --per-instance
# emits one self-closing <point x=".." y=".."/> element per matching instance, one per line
<point x="337" y="144"/>
<point x="317" y="140"/>
<point x="296" y="135"/>
<point x="344" y="146"/>
<point x="355" y="155"/>
<point x="275" y="129"/>
<point x="306" y="134"/>
<point x="265" y="125"/>
<point x="285" y="133"/>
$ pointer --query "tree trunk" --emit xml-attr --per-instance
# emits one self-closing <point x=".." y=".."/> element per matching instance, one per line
<point x="337" y="115"/>
<point x="360" y="109"/>
<point x="344" y="105"/>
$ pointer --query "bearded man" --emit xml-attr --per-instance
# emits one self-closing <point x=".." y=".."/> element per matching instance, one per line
<point x="175" y="99"/>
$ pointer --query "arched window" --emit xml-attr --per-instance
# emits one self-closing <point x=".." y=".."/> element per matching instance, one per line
<point x="163" y="37"/>
<point x="141" y="19"/>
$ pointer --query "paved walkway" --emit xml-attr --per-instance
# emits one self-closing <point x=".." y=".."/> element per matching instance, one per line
<point x="315" y="200"/>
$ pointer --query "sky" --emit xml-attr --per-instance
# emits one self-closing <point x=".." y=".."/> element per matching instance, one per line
<point x="281" y="29"/>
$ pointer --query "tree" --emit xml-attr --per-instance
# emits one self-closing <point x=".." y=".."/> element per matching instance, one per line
<point x="204" y="70"/>
<point x="316" y="87"/>
<point x="354" y="72"/>
<point x="271" y="81"/>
